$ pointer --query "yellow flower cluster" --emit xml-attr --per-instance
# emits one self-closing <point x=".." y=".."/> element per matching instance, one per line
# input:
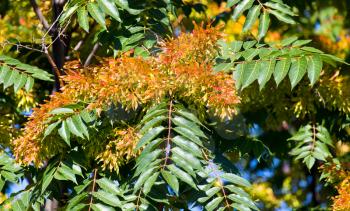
<point x="120" y="150"/>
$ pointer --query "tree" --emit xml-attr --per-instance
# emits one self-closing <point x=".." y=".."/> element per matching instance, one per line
<point x="143" y="117"/>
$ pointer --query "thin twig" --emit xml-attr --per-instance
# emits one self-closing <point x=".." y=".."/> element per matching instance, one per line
<point x="52" y="25"/>
<point x="93" y="188"/>
<point x="18" y="45"/>
<point x="61" y="33"/>
<point x="138" y="200"/>
<point x="91" y="55"/>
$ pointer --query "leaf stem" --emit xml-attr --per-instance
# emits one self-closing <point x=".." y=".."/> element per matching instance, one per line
<point x="93" y="188"/>
<point x="210" y="164"/>
<point x="168" y="139"/>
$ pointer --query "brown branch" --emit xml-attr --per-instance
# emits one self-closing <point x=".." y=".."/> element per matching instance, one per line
<point x="93" y="188"/>
<point x="54" y="66"/>
<point x="92" y="53"/>
<point x="40" y="15"/>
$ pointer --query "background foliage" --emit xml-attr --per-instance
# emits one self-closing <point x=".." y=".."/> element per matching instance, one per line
<point x="174" y="105"/>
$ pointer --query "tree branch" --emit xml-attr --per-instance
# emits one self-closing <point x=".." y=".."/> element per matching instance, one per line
<point x="92" y="53"/>
<point x="39" y="14"/>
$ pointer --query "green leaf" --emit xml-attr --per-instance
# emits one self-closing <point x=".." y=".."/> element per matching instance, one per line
<point x="7" y="78"/>
<point x="47" y="178"/>
<point x="212" y="191"/>
<point x="314" y="68"/>
<point x="236" y="46"/>
<point x="299" y="43"/>
<point x="188" y="115"/>
<point x="69" y="12"/>
<point x="107" y="198"/>
<point x="187" y="145"/>
<point x="87" y="116"/>
<point x="188" y="157"/>
<point x="142" y="178"/>
<point x="152" y="114"/>
<point x="237" y="75"/>
<point x="309" y="161"/>
<point x="224" y="67"/>
<point x="288" y="41"/>
<point x="180" y="162"/>
<point x="311" y="49"/>
<point x="250" y="73"/>
<point x="297" y="71"/>
<point x="151" y="146"/>
<point x="279" y="7"/>
<point x="266" y="70"/>
<point x="96" y="13"/>
<point x="150" y="135"/>
<point x="64" y="132"/>
<point x="241" y="7"/>
<point x="20" y="83"/>
<point x="147" y="160"/>
<point x="9" y="176"/>
<point x="213" y="204"/>
<point x="5" y="73"/>
<point x="67" y="173"/>
<point x="237" y="190"/>
<point x="152" y="123"/>
<point x="182" y="175"/>
<point x="243" y="201"/>
<point x="149" y="183"/>
<point x="182" y="122"/>
<point x="235" y="179"/>
<point x="171" y="180"/>
<point x="109" y="186"/>
<point x="230" y="3"/>
<point x="109" y="8"/>
<point x="125" y="5"/>
<point x="252" y="16"/>
<point x="62" y="111"/>
<point x="76" y="200"/>
<point x="323" y="135"/>
<point x="80" y="125"/>
<point x="249" y="54"/>
<point x="282" y="17"/>
<point x="189" y="135"/>
<point x="101" y="207"/>
<point x="249" y="44"/>
<point x="83" y="18"/>
<point x="50" y="128"/>
<point x="281" y="70"/>
<point x="74" y="128"/>
<point x="29" y="84"/>
<point x="264" y="23"/>
<point x="18" y="205"/>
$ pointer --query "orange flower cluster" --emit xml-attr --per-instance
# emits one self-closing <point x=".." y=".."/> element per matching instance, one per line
<point x="199" y="46"/>
<point x="183" y="71"/>
<point x="28" y="147"/>
<point x="339" y="174"/>
<point x="342" y="201"/>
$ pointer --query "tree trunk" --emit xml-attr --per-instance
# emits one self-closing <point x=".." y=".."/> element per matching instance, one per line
<point x="60" y="43"/>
